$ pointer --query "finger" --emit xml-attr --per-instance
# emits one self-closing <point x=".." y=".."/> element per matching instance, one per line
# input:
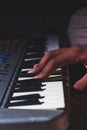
<point x="47" y="70"/>
<point x="33" y="69"/>
<point x="55" y="59"/>
<point x="52" y="65"/>
<point x="45" y="59"/>
<point x="85" y="66"/>
<point x="82" y="83"/>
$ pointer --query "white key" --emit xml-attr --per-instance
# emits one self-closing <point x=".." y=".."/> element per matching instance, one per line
<point x="52" y="43"/>
<point x="53" y="76"/>
<point x="29" y="59"/>
<point x="24" y="78"/>
<point x="27" y="69"/>
<point x="29" y="53"/>
<point x="58" y="69"/>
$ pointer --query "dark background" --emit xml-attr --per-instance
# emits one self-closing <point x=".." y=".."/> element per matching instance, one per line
<point x="26" y="17"/>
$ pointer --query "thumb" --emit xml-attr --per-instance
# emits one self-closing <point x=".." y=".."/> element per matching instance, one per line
<point x="82" y="83"/>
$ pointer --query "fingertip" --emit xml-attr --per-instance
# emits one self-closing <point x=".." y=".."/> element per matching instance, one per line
<point x="78" y="86"/>
<point x="38" y="76"/>
<point x="30" y="71"/>
<point x="75" y="86"/>
<point x="36" y="65"/>
<point x="35" y="77"/>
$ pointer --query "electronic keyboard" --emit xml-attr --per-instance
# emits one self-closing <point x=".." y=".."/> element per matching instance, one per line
<point x="27" y="103"/>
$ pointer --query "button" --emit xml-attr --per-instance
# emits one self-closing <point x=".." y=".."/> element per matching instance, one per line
<point x="1" y="59"/>
<point x="4" y="56"/>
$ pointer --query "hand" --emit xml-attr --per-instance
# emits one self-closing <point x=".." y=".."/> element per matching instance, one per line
<point x="60" y="57"/>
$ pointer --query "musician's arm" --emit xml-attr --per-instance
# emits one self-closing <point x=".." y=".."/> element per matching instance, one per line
<point x="77" y="32"/>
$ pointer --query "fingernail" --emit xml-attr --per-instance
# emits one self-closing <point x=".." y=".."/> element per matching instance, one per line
<point x="86" y="66"/>
<point x="36" y="65"/>
<point x="30" y="71"/>
<point x="75" y="86"/>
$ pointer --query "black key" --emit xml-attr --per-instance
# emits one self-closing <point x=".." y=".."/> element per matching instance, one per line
<point x="23" y="103"/>
<point x="39" y="40"/>
<point x="33" y="55"/>
<point x="32" y="88"/>
<point x="26" y="74"/>
<point x="25" y="100"/>
<point x="29" y="82"/>
<point x="36" y="49"/>
<point x="30" y="64"/>
<point x="26" y="97"/>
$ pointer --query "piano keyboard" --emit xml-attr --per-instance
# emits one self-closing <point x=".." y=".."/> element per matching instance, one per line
<point x="50" y="94"/>
<point x="23" y="94"/>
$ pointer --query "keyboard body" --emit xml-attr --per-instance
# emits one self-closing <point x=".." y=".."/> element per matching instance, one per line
<point x="11" y="58"/>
